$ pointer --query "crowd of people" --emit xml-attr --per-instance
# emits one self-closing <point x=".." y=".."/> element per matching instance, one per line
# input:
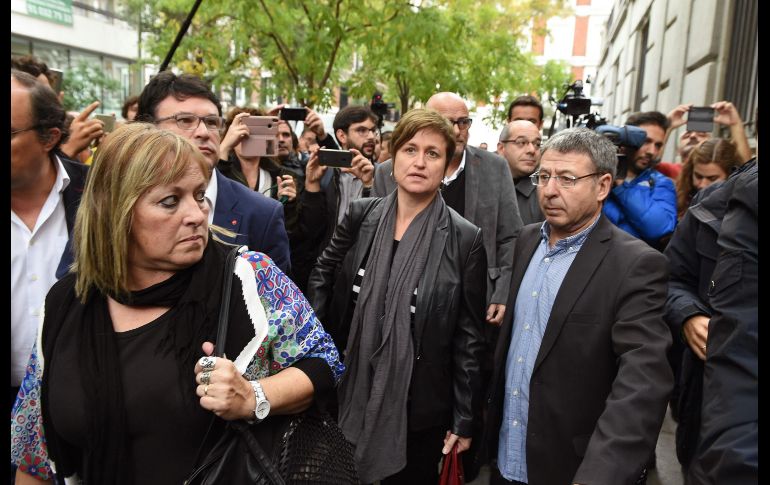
<point x="531" y="308"/>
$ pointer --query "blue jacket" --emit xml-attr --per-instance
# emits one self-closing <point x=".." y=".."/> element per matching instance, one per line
<point x="644" y="207"/>
<point x="257" y="220"/>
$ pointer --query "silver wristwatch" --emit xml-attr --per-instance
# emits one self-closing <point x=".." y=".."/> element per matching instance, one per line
<point x="262" y="409"/>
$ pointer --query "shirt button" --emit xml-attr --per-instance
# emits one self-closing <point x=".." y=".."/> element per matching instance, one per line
<point x="515" y="392"/>
<point x="35" y="313"/>
<point x="534" y="293"/>
<point x="33" y="277"/>
<point x="526" y="327"/>
<point x="547" y="260"/>
<point x="520" y="359"/>
<point x="515" y="422"/>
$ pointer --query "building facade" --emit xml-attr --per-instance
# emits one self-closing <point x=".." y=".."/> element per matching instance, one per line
<point x="658" y="54"/>
<point x="66" y="34"/>
<point x="575" y="39"/>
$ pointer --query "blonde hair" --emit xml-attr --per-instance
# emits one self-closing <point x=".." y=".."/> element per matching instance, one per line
<point x="721" y="151"/>
<point x="131" y="160"/>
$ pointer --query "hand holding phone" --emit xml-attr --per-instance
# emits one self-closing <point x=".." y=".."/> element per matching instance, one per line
<point x="335" y="158"/>
<point x="700" y="118"/>
<point x="262" y="140"/>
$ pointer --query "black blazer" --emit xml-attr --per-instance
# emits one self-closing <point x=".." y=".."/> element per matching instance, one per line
<point x="449" y="315"/>
<point x="601" y="380"/>
<point x="71" y="195"/>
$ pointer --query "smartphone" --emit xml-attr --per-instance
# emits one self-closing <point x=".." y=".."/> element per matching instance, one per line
<point x="57" y="80"/>
<point x="335" y="158"/>
<point x="263" y="137"/>
<point x="108" y="120"/>
<point x="700" y="118"/>
<point x="293" y="114"/>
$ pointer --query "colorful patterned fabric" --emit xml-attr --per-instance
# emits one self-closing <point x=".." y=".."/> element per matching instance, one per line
<point x="294" y="333"/>
<point x="28" y="449"/>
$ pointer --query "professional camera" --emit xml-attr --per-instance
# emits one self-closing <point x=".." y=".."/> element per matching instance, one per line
<point x="577" y="108"/>
<point x="627" y="139"/>
<point x="380" y="108"/>
<point x="574" y="103"/>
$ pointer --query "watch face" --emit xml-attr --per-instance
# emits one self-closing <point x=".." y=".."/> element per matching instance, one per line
<point x="263" y="408"/>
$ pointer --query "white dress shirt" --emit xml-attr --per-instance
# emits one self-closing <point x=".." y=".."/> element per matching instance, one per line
<point x="211" y="195"/>
<point x="460" y="168"/>
<point x="35" y="255"/>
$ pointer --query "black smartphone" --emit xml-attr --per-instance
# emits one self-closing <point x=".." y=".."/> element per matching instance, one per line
<point x="335" y="158"/>
<point x="293" y="114"/>
<point x="700" y="118"/>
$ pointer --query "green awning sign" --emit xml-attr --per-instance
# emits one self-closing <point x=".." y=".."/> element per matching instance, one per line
<point x="59" y="11"/>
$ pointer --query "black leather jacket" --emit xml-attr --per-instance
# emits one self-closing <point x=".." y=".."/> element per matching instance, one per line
<point x="449" y="316"/>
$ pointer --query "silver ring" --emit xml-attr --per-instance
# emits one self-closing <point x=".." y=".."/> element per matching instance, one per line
<point x="703" y="347"/>
<point x="206" y="377"/>
<point x="206" y="390"/>
<point x="207" y="363"/>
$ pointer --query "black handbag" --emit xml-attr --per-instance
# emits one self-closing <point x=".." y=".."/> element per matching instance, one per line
<point x="310" y="448"/>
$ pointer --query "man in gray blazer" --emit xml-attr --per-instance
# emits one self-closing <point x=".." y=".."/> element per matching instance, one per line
<point x="478" y="185"/>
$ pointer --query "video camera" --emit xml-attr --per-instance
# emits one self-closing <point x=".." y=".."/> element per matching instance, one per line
<point x="379" y="107"/>
<point x="576" y="105"/>
<point x="630" y="138"/>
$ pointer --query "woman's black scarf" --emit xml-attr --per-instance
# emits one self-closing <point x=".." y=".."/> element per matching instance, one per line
<point x="373" y="394"/>
<point x="193" y="295"/>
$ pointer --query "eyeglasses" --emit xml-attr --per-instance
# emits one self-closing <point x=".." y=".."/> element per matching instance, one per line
<point x="16" y="132"/>
<point x="189" y="121"/>
<point x="541" y="179"/>
<point x="462" y="123"/>
<point x="363" y="131"/>
<point x="523" y="142"/>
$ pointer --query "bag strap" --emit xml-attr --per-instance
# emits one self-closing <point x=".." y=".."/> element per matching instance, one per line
<point x="224" y="309"/>
<point x="241" y="427"/>
<point x="251" y="442"/>
<point x="224" y="315"/>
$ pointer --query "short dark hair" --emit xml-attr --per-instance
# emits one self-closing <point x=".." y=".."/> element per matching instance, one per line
<point x="167" y="84"/>
<point x="32" y="65"/>
<point x="352" y="114"/>
<point x="418" y="119"/>
<point x="386" y="135"/>
<point x="130" y="101"/>
<point x="648" y="118"/>
<point x="45" y="108"/>
<point x="525" y="100"/>
<point x="236" y="110"/>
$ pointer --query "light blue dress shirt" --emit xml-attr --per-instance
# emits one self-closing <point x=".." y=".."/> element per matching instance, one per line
<point x="538" y="290"/>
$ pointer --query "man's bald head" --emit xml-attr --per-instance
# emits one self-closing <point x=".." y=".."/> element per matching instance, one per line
<point x="446" y="100"/>
<point x="452" y="107"/>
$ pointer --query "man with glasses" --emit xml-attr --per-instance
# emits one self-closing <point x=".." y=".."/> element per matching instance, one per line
<point x="185" y="105"/>
<point x="355" y="128"/>
<point x="581" y="378"/>
<point x="45" y="194"/>
<point x="520" y="145"/>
